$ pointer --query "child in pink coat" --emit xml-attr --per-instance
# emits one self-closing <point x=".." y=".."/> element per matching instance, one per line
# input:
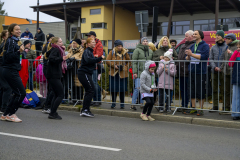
<point x="166" y="72"/>
<point x="41" y="79"/>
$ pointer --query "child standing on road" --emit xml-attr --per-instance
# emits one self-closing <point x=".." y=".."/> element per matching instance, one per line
<point x="166" y="72"/>
<point x="236" y="82"/>
<point x="147" y="87"/>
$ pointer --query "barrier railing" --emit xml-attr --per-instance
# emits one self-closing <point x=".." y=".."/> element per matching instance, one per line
<point x="198" y="84"/>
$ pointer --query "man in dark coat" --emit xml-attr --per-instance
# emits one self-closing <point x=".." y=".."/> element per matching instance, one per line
<point x="39" y="38"/>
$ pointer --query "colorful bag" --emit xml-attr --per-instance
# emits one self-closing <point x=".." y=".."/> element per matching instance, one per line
<point x="31" y="99"/>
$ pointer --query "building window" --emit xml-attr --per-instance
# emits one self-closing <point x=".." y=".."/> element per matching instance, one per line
<point x="83" y="20"/>
<point x="95" y="11"/>
<point x="104" y="43"/>
<point x="99" y="25"/>
<point x="74" y="31"/>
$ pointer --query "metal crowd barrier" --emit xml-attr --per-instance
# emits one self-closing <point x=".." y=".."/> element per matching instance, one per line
<point x="74" y="93"/>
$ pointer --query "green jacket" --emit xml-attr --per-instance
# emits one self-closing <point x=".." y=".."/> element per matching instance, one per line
<point x="142" y="52"/>
<point x="161" y="51"/>
<point x="31" y="55"/>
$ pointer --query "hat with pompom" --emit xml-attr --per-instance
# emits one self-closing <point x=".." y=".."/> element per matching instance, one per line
<point x="169" y="53"/>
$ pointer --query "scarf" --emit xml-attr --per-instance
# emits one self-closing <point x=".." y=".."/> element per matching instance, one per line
<point x="75" y="50"/>
<point x="64" y="63"/>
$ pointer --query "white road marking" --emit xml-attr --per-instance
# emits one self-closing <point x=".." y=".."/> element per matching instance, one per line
<point x="61" y="142"/>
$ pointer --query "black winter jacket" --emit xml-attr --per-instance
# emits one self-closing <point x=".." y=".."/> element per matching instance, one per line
<point x="1" y="50"/>
<point x="11" y="55"/>
<point x="40" y="37"/>
<point x="54" y="64"/>
<point x="88" y="63"/>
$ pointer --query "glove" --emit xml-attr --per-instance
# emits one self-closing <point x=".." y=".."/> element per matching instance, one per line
<point x="151" y="91"/>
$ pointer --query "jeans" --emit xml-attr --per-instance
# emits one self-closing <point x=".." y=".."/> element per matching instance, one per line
<point x="97" y="95"/>
<point x="236" y="101"/>
<point x="184" y="91"/>
<point x="30" y="81"/>
<point x="136" y="91"/>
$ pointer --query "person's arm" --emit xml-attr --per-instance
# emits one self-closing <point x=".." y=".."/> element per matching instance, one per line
<point x="30" y="36"/>
<point x="160" y="68"/>
<point x="205" y="52"/>
<point x="10" y="53"/>
<point x="110" y="63"/>
<point x="211" y="57"/>
<point x="233" y="58"/>
<point x="55" y="57"/>
<point x="143" y="78"/>
<point x="91" y="60"/>
<point x="135" y="63"/>
<point x="172" y="71"/>
<point x="98" y="50"/>
<point x="127" y="62"/>
<point x="175" y="55"/>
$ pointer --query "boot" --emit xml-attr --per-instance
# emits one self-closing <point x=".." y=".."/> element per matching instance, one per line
<point x="104" y="93"/>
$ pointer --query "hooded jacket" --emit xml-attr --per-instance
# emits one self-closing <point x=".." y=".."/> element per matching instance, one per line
<point x="11" y="55"/>
<point x="216" y="53"/>
<point x="166" y="78"/>
<point x="182" y="67"/>
<point x="143" y="53"/>
<point x="40" y="37"/>
<point x="88" y="63"/>
<point x="29" y="34"/>
<point x="226" y="56"/>
<point x="147" y="79"/>
<point x="203" y="49"/>
<point x="98" y="49"/>
<point x="124" y="57"/>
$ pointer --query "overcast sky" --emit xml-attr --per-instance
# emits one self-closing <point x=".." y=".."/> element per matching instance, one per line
<point x="21" y="9"/>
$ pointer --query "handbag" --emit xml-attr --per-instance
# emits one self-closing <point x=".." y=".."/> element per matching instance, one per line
<point x="70" y="63"/>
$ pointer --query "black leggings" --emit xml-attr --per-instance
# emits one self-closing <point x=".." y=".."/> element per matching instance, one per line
<point x="87" y="83"/>
<point x="57" y="88"/>
<point x="50" y="95"/>
<point x="114" y="96"/>
<point x="148" y="106"/>
<point x="19" y="93"/>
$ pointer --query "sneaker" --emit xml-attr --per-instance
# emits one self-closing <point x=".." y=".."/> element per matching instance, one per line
<point x="200" y="113"/>
<point x="133" y="108"/>
<point x="161" y="110"/>
<point x="113" y="106"/>
<point x="13" y="118"/>
<point x="87" y="114"/>
<point x="144" y="117"/>
<point x="3" y="118"/>
<point x="122" y="106"/>
<point x="192" y="111"/>
<point x="46" y="111"/>
<point x="150" y="118"/>
<point x="54" y="116"/>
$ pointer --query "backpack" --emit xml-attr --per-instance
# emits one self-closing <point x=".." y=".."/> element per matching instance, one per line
<point x="39" y="74"/>
<point x="31" y="99"/>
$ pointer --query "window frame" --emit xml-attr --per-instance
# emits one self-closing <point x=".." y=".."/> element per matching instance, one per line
<point x="103" y="25"/>
<point x="96" y="13"/>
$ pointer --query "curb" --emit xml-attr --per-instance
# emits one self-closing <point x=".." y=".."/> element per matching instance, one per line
<point x="160" y="117"/>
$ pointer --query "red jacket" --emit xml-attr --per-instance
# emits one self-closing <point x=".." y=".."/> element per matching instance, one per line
<point x="98" y="49"/>
<point x="23" y="73"/>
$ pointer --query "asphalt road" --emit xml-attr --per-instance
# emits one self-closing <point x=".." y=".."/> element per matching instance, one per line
<point x="135" y="139"/>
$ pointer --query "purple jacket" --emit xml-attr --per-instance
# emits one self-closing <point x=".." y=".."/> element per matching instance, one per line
<point x="166" y="78"/>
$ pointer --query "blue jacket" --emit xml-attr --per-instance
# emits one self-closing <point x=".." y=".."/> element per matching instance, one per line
<point x="203" y="49"/>
<point x="29" y="34"/>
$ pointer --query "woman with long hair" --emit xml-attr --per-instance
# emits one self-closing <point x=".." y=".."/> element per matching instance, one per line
<point x="88" y="64"/>
<point x="11" y="65"/>
<point x="5" y="89"/>
<point x="56" y="67"/>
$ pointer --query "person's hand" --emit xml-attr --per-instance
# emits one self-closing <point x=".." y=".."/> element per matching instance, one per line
<point x="35" y="38"/>
<point x="103" y="56"/>
<point x="166" y="69"/>
<point x="188" y="52"/>
<point x="161" y="57"/>
<point x="116" y="67"/>
<point x="228" y="51"/>
<point x="26" y="50"/>
<point x="96" y="56"/>
<point x="64" y="58"/>
<point x="217" y="69"/>
<point x="21" y="49"/>
<point x="155" y="90"/>
<point x="135" y="75"/>
<point x="25" y="36"/>
<point x="64" y="47"/>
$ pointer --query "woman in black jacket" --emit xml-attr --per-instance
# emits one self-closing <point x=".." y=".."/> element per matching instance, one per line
<point x="56" y="67"/>
<point x="11" y="65"/>
<point x="85" y="72"/>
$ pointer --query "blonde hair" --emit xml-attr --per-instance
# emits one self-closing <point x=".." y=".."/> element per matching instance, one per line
<point x="53" y="41"/>
<point x="161" y="42"/>
<point x="152" y="46"/>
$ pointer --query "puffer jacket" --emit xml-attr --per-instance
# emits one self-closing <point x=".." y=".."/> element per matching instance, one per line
<point x="161" y="51"/>
<point x="147" y="80"/>
<point x="215" y="54"/>
<point x="143" y="53"/>
<point x="166" y="78"/>
<point x="114" y="55"/>
<point x="78" y="56"/>
<point x="226" y="56"/>
<point x="182" y="67"/>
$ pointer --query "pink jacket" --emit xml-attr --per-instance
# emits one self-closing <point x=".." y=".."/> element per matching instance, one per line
<point x="168" y="76"/>
<point x="39" y="74"/>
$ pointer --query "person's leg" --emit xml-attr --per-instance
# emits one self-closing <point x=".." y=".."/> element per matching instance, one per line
<point x="148" y="102"/>
<point x="41" y="88"/>
<point x="168" y="97"/>
<point x="228" y="93"/>
<point x="15" y="82"/>
<point x="182" y="90"/>
<point x="186" y="94"/>
<point x="45" y="90"/>
<point x="235" y="101"/>
<point x="57" y="87"/>
<point x="94" y="78"/>
<point x="5" y="92"/>
<point x="215" y="90"/>
<point x="122" y="96"/>
<point x="114" y="96"/>
<point x="150" y="106"/>
<point x="49" y="98"/>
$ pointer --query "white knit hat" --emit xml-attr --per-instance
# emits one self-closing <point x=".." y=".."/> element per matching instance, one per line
<point x="169" y="54"/>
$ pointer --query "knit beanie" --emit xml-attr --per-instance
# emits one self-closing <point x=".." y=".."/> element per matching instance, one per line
<point x="118" y="42"/>
<point x="144" y="38"/>
<point x="169" y="54"/>
<point x="78" y="41"/>
<point x="152" y="65"/>
<point x="26" y="42"/>
<point x="220" y="33"/>
<point x="50" y="35"/>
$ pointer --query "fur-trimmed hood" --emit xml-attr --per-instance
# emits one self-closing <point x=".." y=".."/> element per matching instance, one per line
<point x="124" y="51"/>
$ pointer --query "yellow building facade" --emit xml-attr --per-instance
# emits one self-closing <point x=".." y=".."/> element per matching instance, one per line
<point x="125" y="26"/>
